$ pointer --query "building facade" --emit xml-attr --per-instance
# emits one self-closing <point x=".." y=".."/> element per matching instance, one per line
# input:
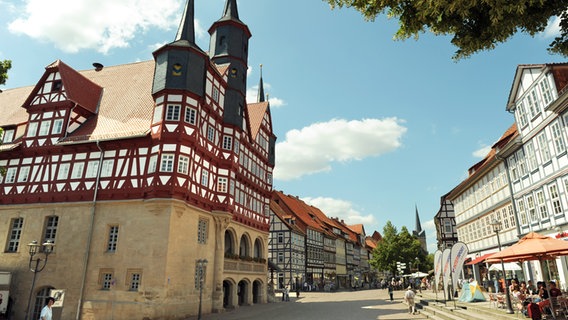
<point x="538" y="161"/>
<point x="138" y="173"/>
<point x="445" y="222"/>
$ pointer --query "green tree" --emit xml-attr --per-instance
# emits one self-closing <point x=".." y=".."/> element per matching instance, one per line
<point x="475" y="25"/>
<point x="4" y="67"/>
<point x="396" y="247"/>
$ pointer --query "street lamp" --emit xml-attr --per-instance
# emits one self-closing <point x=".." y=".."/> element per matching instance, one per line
<point x="496" y="225"/>
<point x="37" y="264"/>
<point x="201" y="263"/>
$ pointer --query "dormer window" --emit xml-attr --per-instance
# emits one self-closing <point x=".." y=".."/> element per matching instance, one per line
<point x="56" y="85"/>
<point x="8" y="136"/>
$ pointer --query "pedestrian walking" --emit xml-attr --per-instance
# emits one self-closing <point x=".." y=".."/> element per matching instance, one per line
<point x="46" y="311"/>
<point x="391" y="289"/>
<point x="409" y="297"/>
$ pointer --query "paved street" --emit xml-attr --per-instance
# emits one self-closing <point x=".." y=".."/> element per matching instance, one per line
<point x="349" y="305"/>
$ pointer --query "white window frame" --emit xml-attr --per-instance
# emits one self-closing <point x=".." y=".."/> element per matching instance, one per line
<point x="152" y="163"/>
<point x="543" y="147"/>
<point x="167" y="162"/>
<point x="77" y="171"/>
<point x="183" y="164"/>
<point x="63" y="171"/>
<point x="558" y="137"/>
<point x="32" y="129"/>
<point x="210" y="133"/>
<point x="541" y="203"/>
<point x="173" y="112"/>
<point x="204" y="178"/>
<point x="222" y="184"/>
<point x="545" y="91"/>
<point x="24" y="173"/>
<point x="44" y="127"/>
<point x="57" y="126"/>
<point x="521" y="114"/>
<point x="92" y="169"/>
<point x="190" y="115"/>
<point x="227" y="142"/>
<point x="8" y="136"/>
<point x="106" y="170"/>
<point x="555" y="199"/>
<point x="10" y="175"/>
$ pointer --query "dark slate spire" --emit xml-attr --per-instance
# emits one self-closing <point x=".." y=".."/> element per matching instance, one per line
<point x="186" y="30"/>
<point x="418" y="226"/>
<point x="230" y="12"/>
<point x="261" y="88"/>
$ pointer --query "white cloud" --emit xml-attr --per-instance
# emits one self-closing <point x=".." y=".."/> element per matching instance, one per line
<point x="73" y="25"/>
<point x="342" y="209"/>
<point x="482" y="152"/>
<point x="314" y="148"/>
<point x="553" y="28"/>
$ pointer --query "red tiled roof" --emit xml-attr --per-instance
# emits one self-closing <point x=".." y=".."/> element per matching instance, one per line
<point x="284" y="216"/>
<point x="300" y="209"/>
<point x="256" y="112"/>
<point x="476" y="170"/>
<point x="11" y="101"/>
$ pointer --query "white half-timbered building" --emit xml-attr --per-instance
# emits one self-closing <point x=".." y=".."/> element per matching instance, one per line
<point x="286" y="246"/>
<point x="482" y="198"/>
<point x="538" y="161"/>
<point x="136" y="172"/>
<point x="445" y="222"/>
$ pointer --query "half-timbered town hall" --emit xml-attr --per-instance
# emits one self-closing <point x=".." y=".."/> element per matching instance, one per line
<point x="150" y="178"/>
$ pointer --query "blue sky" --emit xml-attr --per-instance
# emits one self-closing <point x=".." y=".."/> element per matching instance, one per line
<point x="368" y="127"/>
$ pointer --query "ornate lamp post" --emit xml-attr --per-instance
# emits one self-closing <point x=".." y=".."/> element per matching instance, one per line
<point x="496" y="225"/>
<point x="201" y="263"/>
<point x="37" y="264"/>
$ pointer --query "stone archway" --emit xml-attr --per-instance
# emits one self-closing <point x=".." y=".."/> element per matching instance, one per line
<point x="228" y="293"/>
<point x="257" y="292"/>
<point x="242" y="293"/>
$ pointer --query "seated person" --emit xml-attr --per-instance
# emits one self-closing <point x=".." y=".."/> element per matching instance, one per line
<point x="523" y="288"/>
<point x="554" y="291"/>
<point x="542" y="292"/>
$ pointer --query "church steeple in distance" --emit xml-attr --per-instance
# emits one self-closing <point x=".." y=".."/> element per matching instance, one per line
<point x="260" y="88"/>
<point x="419" y="233"/>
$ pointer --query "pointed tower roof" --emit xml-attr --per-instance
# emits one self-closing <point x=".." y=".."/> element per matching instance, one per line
<point x="230" y="12"/>
<point x="230" y="16"/>
<point x="186" y="30"/>
<point x="418" y="225"/>
<point x="260" y="97"/>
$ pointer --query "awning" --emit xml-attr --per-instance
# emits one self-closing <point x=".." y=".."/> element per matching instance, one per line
<point x="479" y="259"/>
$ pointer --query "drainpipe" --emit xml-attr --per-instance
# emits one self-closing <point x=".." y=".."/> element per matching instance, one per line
<point x="89" y="235"/>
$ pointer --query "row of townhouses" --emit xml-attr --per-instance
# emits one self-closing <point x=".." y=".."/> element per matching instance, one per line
<point x="522" y="183"/>
<point x="312" y="251"/>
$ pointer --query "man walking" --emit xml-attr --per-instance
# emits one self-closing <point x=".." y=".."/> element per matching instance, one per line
<point x="409" y="297"/>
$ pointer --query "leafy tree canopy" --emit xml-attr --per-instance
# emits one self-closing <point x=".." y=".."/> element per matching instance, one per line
<point x="4" y="67"/>
<point x="475" y="25"/>
<point x="396" y="247"/>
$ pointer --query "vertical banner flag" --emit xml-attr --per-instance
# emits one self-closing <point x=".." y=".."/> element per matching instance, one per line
<point x="459" y="253"/>
<point x="437" y="268"/>
<point x="446" y="270"/>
